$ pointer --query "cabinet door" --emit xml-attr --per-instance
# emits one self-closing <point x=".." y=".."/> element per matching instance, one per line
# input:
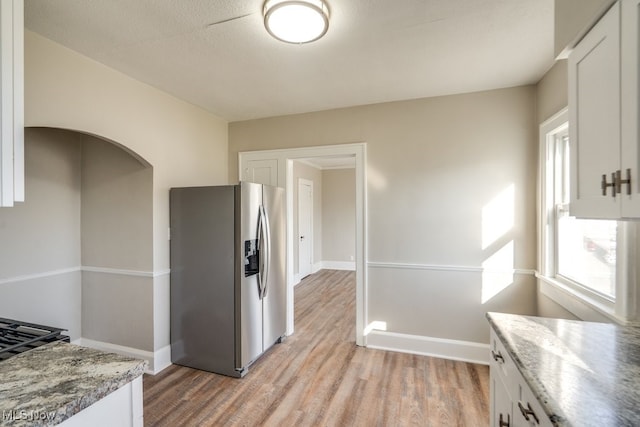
<point x="11" y="102"/>
<point x="630" y="47"/>
<point x="594" y="118"/>
<point x="527" y="411"/>
<point x="501" y="407"/>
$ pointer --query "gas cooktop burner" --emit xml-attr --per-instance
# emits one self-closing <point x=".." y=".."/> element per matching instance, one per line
<point x="17" y="337"/>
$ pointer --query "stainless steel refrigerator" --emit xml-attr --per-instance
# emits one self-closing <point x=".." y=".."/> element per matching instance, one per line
<point x="227" y="275"/>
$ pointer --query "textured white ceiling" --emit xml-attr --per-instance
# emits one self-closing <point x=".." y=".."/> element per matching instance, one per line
<point x="375" y="50"/>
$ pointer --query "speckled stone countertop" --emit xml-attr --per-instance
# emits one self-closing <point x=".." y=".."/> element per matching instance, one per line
<point x="583" y="373"/>
<point x="49" y="384"/>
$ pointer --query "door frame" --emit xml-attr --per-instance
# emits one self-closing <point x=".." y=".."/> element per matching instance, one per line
<point x="309" y="183"/>
<point x="285" y="159"/>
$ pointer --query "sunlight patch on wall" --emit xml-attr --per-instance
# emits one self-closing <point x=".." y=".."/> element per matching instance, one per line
<point x="498" y="272"/>
<point x="376" y="325"/>
<point x="498" y="216"/>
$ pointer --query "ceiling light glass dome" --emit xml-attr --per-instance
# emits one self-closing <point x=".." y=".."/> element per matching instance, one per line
<point x="301" y="21"/>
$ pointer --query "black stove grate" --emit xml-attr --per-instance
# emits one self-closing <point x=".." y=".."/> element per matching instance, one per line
<point x="17" y="337"/>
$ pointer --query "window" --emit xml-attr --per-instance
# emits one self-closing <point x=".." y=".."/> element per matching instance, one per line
<point x="585" y="249"/>
<point x="578" y="256"/>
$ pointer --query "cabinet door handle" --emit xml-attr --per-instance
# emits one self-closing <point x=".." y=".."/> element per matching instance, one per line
<point x="526" y="412"/>
<point x="503" y="423"/>
<point x="619" y="181"/>
<point x="497" y="356"/>
<point x="604" y="184"/>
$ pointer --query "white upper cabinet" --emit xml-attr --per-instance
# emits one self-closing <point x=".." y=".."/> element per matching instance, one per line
<point x="630" y="114"/>
<point x="11" y="102"/>
<point x="594" y="118"/>
<point x="603" y="117"/>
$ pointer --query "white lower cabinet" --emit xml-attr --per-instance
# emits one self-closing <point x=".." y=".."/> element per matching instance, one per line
<point x="512" y="401"/>
<point x="122" y="408"/>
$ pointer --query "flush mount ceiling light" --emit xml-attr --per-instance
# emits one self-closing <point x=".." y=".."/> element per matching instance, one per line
<point x="301" y="21"/>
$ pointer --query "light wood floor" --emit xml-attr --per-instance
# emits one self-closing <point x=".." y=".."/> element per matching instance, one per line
<point x="319" y="377"/>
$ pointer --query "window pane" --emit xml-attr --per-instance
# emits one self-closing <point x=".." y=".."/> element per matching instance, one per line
<point x="587" y="253"/>
<point x="566" y="181"/>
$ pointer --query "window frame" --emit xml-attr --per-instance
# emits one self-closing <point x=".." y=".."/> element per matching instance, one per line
<point x="574" y="297"/>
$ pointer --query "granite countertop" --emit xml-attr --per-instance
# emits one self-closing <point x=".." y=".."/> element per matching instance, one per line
<point x="583" y="373"/>
<point x="51" y="383"/>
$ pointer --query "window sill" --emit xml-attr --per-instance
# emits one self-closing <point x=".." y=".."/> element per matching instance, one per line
<point x="580" y="305"/>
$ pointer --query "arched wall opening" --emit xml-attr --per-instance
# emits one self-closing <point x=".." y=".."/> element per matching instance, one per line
<point x="78" y="253"/>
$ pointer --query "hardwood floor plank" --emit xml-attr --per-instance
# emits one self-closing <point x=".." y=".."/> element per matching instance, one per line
<point x="319" y="377"/>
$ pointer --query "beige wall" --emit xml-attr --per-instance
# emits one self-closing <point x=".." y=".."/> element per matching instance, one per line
<point x="117" y="237"/>
<point x="43" y="233"/>
<point x="433" y="166"/>
<point x="117" y="208"/>
<point x="184" y="144"/>
<point x="40" y="238"/>
<point x="338" y="215"/>
<point x="118" y="309"/>
<point x="552" y="91"/>
<point x="301" y="170"/>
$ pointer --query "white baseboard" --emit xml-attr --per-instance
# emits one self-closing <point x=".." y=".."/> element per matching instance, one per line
<point x="162" y="359"/>
<point x="339" y="265"/>
<point x="464" y="351"/>
<point x="317" y="267"/>
<point x="158" y="360"/>
<point x="326" y="265"/>
<point x="333" y="265"/>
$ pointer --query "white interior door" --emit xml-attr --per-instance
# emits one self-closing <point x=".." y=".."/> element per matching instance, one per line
<point x="305" y="227"/>
<point x="261" y="172"/>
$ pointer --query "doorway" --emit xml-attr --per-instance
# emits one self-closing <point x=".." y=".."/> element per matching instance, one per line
<point x="305" y="227"/>
<point x="282" y="176"/>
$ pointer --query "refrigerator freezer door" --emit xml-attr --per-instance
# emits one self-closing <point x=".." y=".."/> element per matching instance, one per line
<point x="248" y="303"/>
<point x="202" y="278"/>
<point x="274" y="301"/>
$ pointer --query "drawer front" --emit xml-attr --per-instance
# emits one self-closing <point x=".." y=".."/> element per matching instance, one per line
<point x="501" y="363"/>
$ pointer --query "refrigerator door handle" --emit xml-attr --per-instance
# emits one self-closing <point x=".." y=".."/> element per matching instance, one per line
<point x="267" y="262"/>
<point x="260" y="251"/>
<point x="263" y="247"/>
